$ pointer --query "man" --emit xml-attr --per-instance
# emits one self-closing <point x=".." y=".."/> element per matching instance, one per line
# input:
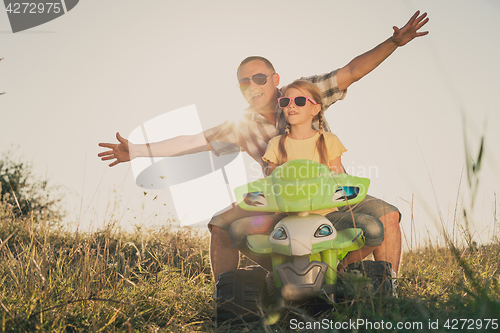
<point x="264" y="120"/>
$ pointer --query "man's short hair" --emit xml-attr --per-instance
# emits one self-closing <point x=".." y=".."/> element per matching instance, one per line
<point x="252" y="58"/>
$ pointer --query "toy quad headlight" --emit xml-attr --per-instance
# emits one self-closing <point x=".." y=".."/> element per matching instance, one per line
<point x="323" y="231"/>
<point x="279" y="234"/>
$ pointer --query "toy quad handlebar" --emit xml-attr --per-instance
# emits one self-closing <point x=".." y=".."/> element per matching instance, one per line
<point x="301" y="185"/>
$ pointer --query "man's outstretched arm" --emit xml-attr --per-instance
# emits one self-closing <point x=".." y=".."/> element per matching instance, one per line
<point x="124" y="151"/>
<point x="368" y="61"/>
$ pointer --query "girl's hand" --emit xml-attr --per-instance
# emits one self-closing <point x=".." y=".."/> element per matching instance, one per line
<point x="270" y="168"/>
<point x="119" y="151"/>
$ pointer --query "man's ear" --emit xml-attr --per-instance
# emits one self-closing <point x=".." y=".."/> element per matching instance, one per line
<point x="276" y="79"/>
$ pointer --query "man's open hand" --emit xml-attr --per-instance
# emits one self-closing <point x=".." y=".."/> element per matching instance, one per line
<point x="410" y="30"/>
<point x="119" y="151"/>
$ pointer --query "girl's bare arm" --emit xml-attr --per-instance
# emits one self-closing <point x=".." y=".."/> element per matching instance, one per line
<point x="336" y="165"/>
<point x="270" y="167"/>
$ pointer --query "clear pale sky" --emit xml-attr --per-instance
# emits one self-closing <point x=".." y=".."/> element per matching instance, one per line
<point x="109" y="66"/>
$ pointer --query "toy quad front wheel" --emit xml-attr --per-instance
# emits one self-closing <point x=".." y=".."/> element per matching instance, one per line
<point x="378" y="272"/>
<point x="240" y="294"/>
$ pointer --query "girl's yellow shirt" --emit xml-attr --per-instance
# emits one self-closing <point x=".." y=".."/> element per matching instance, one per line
<point x="305" y="149"/>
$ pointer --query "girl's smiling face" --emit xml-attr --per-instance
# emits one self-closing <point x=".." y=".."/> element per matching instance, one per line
<point x="298" y="115"/>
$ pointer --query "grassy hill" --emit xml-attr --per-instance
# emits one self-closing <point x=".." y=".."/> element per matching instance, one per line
<point x="159" y="281"/>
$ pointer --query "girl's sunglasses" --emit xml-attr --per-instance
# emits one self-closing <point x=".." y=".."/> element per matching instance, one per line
<point x="283" y="102"/>
<point x="259" y="79"/>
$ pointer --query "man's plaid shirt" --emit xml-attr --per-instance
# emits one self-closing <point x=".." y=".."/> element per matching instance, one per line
<point x="254" y="132"/>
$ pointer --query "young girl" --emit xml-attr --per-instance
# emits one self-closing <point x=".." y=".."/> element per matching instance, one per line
<point x="301" y="103"/>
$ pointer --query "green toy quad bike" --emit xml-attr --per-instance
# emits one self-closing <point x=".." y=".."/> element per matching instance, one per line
<point x="305" y="248"/>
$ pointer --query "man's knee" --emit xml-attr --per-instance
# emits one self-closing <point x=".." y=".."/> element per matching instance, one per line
<point x="218" y="222"/>
<point x="372" y="228"/>
<point x="238" y="233"/>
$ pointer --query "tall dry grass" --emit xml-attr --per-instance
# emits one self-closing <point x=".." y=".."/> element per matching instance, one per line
<point x="52" y="280"/>
<point x="159" y="281"/>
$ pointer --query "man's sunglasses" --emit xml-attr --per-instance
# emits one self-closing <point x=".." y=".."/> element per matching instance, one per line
<point x="283" y="102"/>
<point x="259" y="79"/>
